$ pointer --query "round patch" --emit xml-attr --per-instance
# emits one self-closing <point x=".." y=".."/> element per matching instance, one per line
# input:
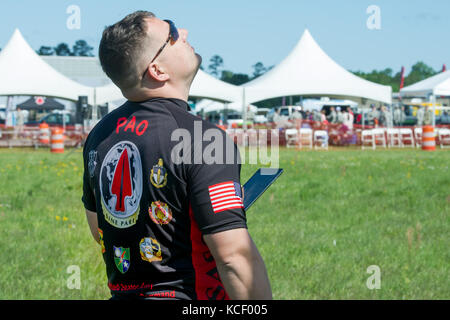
<point x="150" y="250"/>
<point x="160" y="212"/>
<point x="121" y="184"/>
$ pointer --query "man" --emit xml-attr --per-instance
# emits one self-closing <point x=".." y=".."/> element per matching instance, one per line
<point x="250" y="115"/>
<point x="340" y="116"/>
<point x="428" y="116"/>
<point x="385" y="117"/>
<point x="19" y="123"/>
<point x="348" y="118"/>
<point x="169" y="225"/>
<point x="332" y="116"/>
<point x="397" y="117"/>
<point x="420" y="116"/>
<point x="372" y="116"/>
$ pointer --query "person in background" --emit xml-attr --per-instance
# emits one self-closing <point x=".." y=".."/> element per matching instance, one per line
<point x="372" y="115"/>
<point x="19" y="123"/>
<point x="428" y="116"/>
<point x="250" y="114"/>
<point x="332" y="117"/>
<point x="296" y="115"/>
<point x="397" y="117"/>
<point x="420" y="115"/>
<point x="323" y="117"/>
<point x="348" y="118"/>
<point x="388" y="117"/>
<point x="402" y="115"/>
<point x="340" y="115"/>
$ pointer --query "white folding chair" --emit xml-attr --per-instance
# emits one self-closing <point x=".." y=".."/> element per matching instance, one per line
<point x="367" y="137"/>
<point x="306" y="137"/>
<point x="321" y="137"/>
<point x="240" y="137"/>
<point x="251" y="138"/>
<point x="444" y="137"/>
<point x="406" y="137"/>
<point x="418" y="136"/>
<point x="292" y="138"/>
<point x="378" y="135"/>
<point x="393" y="137"/>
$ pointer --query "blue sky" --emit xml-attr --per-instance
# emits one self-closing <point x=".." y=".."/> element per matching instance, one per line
<point x="247" y="31"/>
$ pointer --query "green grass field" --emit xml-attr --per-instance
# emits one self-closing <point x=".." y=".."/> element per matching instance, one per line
<point x="328" y="218"/>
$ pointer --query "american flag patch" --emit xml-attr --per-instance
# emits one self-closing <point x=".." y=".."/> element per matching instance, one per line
<point x="225" y="196"/>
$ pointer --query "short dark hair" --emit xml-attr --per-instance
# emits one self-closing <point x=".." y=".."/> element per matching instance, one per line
<point x="121" y="45"/>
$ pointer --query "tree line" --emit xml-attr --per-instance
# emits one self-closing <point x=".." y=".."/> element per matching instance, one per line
<point x="419" y="71"/>
<point x="80" y="49"/>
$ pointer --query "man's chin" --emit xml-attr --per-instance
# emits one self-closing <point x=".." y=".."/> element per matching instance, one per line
<point x="197" y="66"/>
<point x="199" y="61"/>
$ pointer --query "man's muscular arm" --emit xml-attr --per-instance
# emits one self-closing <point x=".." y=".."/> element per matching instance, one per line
<point x="240" y="266"/>
<point x="93" y="224"/>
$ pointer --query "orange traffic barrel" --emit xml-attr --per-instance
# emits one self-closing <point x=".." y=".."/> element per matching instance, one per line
<point x="428" y="138"/>
<point x="57" y="141"/>
<point x="44" y="133"/>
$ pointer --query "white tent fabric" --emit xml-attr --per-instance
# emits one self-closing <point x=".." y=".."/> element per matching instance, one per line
<point x="308" y="70"/>
<point x="25" y="73"/>
<point x="207" y="105"/>
<point x="206" y="86"/>
<point x="203" y="86"/>
<point x="438" y="85"/>
<point x="108" y="93"/>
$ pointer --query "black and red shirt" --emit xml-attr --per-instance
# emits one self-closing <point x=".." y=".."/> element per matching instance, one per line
<point x="159" y="179"/>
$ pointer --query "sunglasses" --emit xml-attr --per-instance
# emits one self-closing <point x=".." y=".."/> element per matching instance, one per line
<point x="173" y="36"/>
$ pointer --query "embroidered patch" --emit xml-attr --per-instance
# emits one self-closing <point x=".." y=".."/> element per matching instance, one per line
<point x="122" y="258"/>
<point x="92" y="163"/>
<point x="150" y="250"/>
<point x="102" y="243"/>
<point x="225" y="196"/>
<point x="160" y="212"/>
<point x="158" y="175"/>
<point x="121" y="184"/>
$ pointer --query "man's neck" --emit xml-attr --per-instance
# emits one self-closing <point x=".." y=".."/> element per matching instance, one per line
<point x="146" y="94"/>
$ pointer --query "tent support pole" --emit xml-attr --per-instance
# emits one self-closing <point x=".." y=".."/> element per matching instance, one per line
<point x="94" y="111"/>
<point x="244" y="110"/>
<point x="433" y="101"/>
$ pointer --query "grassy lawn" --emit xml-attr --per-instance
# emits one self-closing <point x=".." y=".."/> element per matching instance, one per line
<point x="328" y="218"/>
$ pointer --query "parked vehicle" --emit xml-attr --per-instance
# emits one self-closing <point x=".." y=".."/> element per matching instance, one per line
<point x="287" y="111"/>
<point x="261" y="115"/>
<point x="55" y="119"/>
<point x="2" y="115"/>
<point x="234" y="118"/>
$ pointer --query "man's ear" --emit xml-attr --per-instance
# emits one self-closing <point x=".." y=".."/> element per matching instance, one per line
<point x="157" y="73"/>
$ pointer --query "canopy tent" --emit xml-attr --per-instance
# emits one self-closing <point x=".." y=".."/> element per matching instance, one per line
<point x="206" y="86"/>
<point x="41" y="103"/>
<point x="203" y="86"/>
<point x="207" y="105"/>
<point x="25" y="73"/>
<point x="309" y="71"/>
<point x="438" y="85"/>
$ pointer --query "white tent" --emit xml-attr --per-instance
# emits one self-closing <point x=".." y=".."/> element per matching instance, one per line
<point x="203" y="86"/>
<point x="206" y="86"/>
<point x="25" y="73"/>
<point x="308" y="70"/>
<point x="438" y="85"/>
<point x="207" y="105"/>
